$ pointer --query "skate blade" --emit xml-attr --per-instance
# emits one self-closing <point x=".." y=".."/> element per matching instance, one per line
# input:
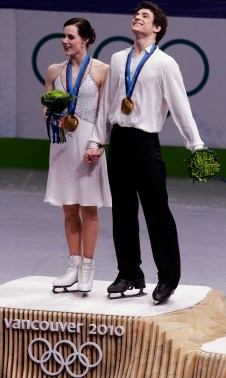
<point x="63" y="290"/>
<point x="84" y="294"/>
<point x="124" y="295"/>
<point x="158" y="303"/>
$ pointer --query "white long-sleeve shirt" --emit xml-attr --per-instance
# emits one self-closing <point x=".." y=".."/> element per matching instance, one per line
<point x="159" y="89"/>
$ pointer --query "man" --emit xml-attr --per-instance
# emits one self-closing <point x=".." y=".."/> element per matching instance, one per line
<point x="143" y="84"/>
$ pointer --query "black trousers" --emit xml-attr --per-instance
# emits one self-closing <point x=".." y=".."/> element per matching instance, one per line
<point x="137" y="172"/>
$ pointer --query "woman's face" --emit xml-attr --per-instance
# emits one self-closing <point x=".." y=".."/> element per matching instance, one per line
<point x="71" y="41"/>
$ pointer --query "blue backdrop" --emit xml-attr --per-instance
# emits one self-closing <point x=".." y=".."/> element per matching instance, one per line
<point x="178" y="8"/>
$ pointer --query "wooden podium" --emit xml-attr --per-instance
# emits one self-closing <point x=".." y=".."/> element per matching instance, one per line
<point x="67" y="335"/>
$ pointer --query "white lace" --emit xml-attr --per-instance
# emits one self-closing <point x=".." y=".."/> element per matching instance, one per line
<point x="86" y="270"/>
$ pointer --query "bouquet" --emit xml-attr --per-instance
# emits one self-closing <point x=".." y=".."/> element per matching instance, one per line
<point x="203" y="165"/>
<point x="56" y="102"/>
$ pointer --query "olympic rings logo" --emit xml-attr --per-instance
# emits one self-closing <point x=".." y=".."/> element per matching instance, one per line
<point x="65" y="363"/>
<point x="107" y="41"/>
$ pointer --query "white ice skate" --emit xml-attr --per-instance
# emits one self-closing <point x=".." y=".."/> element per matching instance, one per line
<point x="86" y="275"/>
<point x="70" y="277"/>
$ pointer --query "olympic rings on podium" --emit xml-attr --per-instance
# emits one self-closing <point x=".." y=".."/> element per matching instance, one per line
<point x="64" y="363"/>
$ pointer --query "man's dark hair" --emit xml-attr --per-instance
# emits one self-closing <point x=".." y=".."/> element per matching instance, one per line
<point x="160" y="18"/>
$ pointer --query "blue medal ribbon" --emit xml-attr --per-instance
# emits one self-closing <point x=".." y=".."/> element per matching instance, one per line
<point x="74" y="91"/>
<point x="130" y="84"/>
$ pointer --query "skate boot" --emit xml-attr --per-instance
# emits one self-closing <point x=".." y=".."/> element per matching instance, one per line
<point x="120" y="286"/>
<point x="162" y="293"/>
<point x="70" y="277"/>
<point x="86" y="274"/>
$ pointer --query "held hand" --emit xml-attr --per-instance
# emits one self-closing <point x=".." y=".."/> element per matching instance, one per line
<point x="93" y="154"/>
<point x="201" y="149"/>
<point x="59" y="120"/>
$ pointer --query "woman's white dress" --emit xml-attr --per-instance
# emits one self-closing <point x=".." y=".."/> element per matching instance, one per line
<point x="70" y="180"/>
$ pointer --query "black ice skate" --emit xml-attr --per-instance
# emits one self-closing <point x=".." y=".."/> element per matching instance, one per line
<point x="162" y="293"/>
<point x="118" y="288"/>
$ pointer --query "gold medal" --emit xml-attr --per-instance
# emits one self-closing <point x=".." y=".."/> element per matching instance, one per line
<point x="70" y="123"/>
<point x="127" y="105"/>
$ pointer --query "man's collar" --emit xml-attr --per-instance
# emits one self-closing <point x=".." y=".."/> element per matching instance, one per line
<point x="148" y="48"/>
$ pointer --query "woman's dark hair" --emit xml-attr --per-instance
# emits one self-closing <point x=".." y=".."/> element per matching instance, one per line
<point x="160" y="18"/>
<point x="85" y="30"/>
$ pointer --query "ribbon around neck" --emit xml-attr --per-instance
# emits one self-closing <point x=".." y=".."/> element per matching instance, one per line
<point x="130" y="83"/>
<point x="74" y="91"/>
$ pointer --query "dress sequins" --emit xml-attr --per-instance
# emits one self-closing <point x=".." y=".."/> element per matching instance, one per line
<point x="87" y="102"/>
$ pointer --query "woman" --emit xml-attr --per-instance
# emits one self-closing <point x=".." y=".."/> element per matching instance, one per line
<point x="78" y="187"/>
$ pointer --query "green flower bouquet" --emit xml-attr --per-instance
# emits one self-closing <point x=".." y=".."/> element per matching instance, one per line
<point x="56" y="102"/>
<point x="202" y="165"/>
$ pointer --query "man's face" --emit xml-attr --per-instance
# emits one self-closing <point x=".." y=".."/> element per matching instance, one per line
<point x="143" y="23"/>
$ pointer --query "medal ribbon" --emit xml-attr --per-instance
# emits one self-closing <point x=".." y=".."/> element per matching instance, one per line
<point x="130" y="84"/>
<point x="74" y="91"/>
<point x="58" y="135"/>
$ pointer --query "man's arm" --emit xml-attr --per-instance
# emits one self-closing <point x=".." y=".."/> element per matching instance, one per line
<point x="177" y="101"/>
<point x="102" y="129"/>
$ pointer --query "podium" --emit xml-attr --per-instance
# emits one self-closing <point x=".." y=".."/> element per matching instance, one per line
<point x="43" y="334"/>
